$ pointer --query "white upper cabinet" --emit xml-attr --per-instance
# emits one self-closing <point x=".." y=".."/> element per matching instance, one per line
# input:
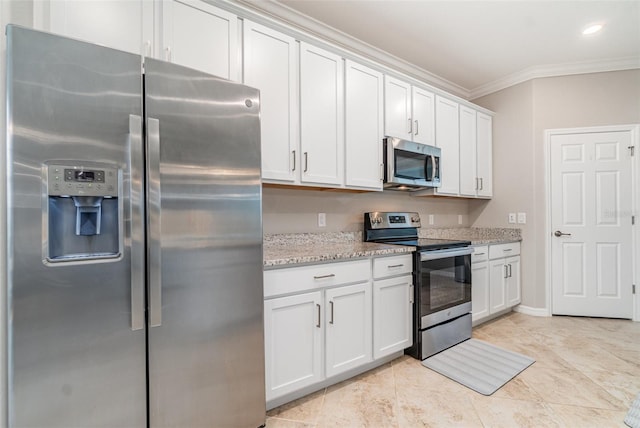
<point x="484" y="148"/>
<point x="447" y="138"/>
<point x="409" y="111"/>
<point x="321" y="116"/>
<point x="200" y="36"/>
<point x="270" y="64"/>
<point x="423" y="116"/>
<point x="397" y="108"/>
<point x="469" y="182"/>
<point x="363" y="126"/>
<point x="124" y="25"/>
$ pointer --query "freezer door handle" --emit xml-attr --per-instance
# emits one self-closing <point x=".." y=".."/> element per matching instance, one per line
<point x="153" y="192"/>
<point x="136" y="225"/>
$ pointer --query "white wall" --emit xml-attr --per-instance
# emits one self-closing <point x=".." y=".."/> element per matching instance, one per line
<point x="524" y="112"/>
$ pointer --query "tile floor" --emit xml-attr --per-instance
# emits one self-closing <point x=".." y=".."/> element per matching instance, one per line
<point x="586" y="374"/>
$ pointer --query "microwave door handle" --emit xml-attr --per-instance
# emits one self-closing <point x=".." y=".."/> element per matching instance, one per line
<point x="434" y="168"/>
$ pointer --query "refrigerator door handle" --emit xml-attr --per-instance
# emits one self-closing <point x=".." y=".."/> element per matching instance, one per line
<point x="153" y="186"/>
<point x="136" y="225"/>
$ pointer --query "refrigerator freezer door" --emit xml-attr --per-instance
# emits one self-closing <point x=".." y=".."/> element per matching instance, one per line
<point x="73" y="357"/>
<point x="206" y="347"/>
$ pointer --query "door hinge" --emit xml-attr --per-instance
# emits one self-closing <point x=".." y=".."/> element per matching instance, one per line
<point x="632" y="150"/>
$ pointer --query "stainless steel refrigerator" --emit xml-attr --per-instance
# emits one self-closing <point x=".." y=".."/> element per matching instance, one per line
<point x="135" y="241"/>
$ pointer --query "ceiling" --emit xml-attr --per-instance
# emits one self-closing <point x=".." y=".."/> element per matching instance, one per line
<point x="480" y="46"/>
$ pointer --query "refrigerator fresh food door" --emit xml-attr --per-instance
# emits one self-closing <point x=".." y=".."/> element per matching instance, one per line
<point x="206" y="346"/>
<point x="75" y="326"/>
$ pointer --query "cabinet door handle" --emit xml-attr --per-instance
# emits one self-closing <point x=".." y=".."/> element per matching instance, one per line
<point x="506" y="271"/>
<point x="331" y="275"/>
<point x="481" y="184"/>
<point x="411" y="290"/>
<point x="331" y="306"/>
<point x="318" y="306"/>
<point x="381" y="172"/>
<point x="416" y="133"/>
<point x="293" y="153"/>
<point x="510" y="270"/>
<point x="410" y="129"/>
<point x="477" y="184"/>
<point x="395" y="266"/>
<point x="306" y="161"/>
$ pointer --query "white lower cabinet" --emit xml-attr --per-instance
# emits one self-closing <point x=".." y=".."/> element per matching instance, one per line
<point x="502" y="291"/>
<point x="348" y="327"/>
<point x="293" y="342"/>
<point x="480" y="283"/>
<point x="392" y="304"/>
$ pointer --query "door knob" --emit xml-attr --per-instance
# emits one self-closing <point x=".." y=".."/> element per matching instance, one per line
<point x="558" y="233"/>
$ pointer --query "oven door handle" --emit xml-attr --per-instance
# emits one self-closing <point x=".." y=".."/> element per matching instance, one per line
<point x="443" y="254"/>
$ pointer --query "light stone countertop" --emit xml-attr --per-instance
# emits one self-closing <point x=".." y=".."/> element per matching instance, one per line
<point x="302" y="248"/>
<point x="284" y="250"/>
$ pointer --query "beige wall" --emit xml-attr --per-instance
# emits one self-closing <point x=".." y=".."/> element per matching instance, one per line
<point x="524" y="112"/>
<point x="296" y="211"/>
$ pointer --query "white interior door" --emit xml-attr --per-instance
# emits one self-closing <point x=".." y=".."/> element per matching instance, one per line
<point x="591" y="220"/>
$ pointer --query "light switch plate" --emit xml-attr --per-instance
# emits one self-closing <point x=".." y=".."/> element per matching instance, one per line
<point x="522" y="218"/>
<point x="512" y="217"/>
<point x="322" y="219"/>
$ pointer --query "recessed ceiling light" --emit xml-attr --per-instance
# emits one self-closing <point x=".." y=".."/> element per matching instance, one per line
<point x="592" y="29"/>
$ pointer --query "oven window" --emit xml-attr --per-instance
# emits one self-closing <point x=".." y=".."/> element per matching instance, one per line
<point x="409" y="165"/>
<point x="445" y="283"/>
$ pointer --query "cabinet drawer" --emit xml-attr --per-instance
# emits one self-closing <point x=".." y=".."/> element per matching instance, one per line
<point x="504" y="250"/>
<point x="293" y="280"/>
<point x="392" y="266"/>
<point x="480" y="254"/>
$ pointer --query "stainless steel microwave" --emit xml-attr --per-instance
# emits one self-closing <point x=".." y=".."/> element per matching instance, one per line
<point x="409" y="165"/>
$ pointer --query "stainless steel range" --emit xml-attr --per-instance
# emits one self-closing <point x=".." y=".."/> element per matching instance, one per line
<point x="442" y="281"/>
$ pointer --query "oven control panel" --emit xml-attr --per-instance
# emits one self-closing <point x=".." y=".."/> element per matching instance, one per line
<point x="391" y="220"/>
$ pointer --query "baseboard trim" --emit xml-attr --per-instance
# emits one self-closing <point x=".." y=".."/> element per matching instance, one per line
<point x="535" y="312"/>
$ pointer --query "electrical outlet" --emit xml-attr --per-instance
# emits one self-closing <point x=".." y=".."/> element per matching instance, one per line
<point x="322" y="219"/>
<point x="512" y="217"/>
<point x="459" y="218"/>
<point x="431" y="219"/>
<point x="522" y="218"/>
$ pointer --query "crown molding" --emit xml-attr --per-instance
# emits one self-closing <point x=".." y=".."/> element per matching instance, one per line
<point x="332" y="35"/>
<point x="555" y="70"/>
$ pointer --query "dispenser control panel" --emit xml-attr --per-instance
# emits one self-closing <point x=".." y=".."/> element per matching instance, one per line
<point x="77" y="180"/>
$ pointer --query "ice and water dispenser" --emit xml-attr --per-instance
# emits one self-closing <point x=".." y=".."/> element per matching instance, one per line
<point x="83" y="212"/>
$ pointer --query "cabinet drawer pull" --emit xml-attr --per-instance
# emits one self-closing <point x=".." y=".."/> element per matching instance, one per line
<point x="331" y="275"/>
<point x="508" y="249"/>
<point x="331" y="305"/>
<point x="479" y="254"/>
<point x="318" y="324"/>
<point x="395" y="266"/>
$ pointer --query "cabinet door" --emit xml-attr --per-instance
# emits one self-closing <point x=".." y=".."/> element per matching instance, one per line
<point x="513" y="281"/>
<point x="397" y="108"/>
<point x="363" y="126"/>
<point x="293" y="343"/>
<point x="392" y="310"/>
<point x="270" y="64"/>
<point x="321" y="116"/>
<point x="348" y="327"/>
<point x="423" y="116"/>
<point x="497" y="282"/>
<point x="468" y="176"/>
<point x="485" y="155"/>
<point x="200" y="36"/>
<point x="479" y="290"/>
<point x="124" y="25"/>
<point x="447" y="138"/>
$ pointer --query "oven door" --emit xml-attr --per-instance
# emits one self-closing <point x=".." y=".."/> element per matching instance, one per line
<point x="444" y="281"/>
